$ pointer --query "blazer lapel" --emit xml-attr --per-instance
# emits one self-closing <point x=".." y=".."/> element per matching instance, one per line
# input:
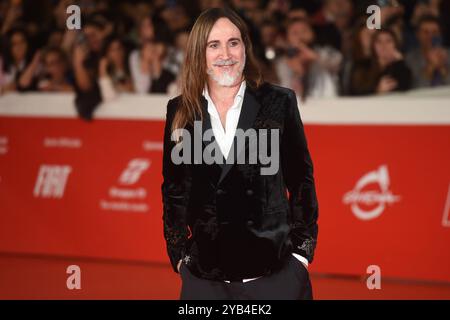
<point x="206" y="125"/>
<point x="249" y="111"/>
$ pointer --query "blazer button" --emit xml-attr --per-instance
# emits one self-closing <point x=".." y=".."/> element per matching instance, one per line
<point x="249" y="192"/>
<point x="220" y="191"/>
<point x="250" y="223"/>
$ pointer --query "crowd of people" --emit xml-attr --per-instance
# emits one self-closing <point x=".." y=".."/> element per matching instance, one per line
<point x="319" y="48"/>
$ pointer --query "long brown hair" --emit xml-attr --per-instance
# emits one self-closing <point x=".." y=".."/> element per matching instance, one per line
<point x="193" y="74"/>
<point x="367" y="74"/>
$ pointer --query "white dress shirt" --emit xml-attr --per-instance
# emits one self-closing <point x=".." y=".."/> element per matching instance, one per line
<point x="225" y="136"/>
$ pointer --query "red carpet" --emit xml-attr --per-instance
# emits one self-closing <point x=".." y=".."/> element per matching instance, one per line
<point x="44" y="277"/>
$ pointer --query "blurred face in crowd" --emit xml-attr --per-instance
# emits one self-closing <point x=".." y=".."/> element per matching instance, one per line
<point x="181" y="41"/>
<point x="94" y="37"/>
<point x="19" y="46"/>
<point x="141" y="10"/>
<point x="175" y="17"/>
<point x="225" y="53"/>
<point x="55" y="38"/>
<point x="339" y="11"/>
<point x="160" y="49"/>
<point x="300" y="32"/>
<point x="427" y="31"/>
<point x="338" y="8"/>
<point x="269" y="34"/>
<point x="54" y="65"/>
<point x="384" y="46"/>
<point x="153" y="51"/>
<point x="146" y="29"/>
<point x="116" y="52"/>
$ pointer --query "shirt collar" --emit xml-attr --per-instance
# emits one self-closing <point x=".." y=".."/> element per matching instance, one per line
<point x="239" y="95"/>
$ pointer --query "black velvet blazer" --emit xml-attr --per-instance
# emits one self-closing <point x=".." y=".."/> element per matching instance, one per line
<point x="229" y="222"/>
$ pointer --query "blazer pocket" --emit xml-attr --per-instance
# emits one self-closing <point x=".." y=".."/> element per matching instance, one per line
<point x="273" y="218"/>
<point x="276" y="209"/>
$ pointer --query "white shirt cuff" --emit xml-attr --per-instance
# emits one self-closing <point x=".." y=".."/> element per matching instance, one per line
<point x="301" y="258"/>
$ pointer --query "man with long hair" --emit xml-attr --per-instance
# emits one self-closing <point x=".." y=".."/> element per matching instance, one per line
<point x="234" y="231"/>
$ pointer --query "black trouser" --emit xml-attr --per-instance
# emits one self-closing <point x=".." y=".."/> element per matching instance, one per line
<point x="289" y="283"/>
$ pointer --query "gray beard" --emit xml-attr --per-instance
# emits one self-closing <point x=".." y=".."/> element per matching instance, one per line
<point x="226" y="79"/>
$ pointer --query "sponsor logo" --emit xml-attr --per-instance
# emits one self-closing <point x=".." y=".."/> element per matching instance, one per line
<point x="126" y="196"/>
<point x="370" y="204"/>
<point x="51" y="181"/>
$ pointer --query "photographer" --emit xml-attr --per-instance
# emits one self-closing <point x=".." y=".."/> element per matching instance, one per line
<point x="114" y="76"/>
<point x="308" y="70"/>
<point x="385" y="71"/>
<point x="85" y="61"/>
<point x="431" y="61"/>
<point x="16" y="59"/>
<point x="147" y="68"/>
<point x="55" y="76"/>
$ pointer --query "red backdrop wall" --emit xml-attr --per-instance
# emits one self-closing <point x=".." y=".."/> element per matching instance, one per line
<point x="69" y="187"/>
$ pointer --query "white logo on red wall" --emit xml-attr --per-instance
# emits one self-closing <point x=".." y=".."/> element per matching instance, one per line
<point x="133" y="171"/>
<point x="51" y="181"/>
<point x="371" y="194"/>
<point x="133" y="197"/>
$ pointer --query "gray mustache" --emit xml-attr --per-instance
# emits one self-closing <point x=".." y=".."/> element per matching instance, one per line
<point x="225" y="62"/>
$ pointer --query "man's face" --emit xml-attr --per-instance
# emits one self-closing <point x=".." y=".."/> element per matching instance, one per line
<point x="426" y="32"/>
<point x="225" y="53"/>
